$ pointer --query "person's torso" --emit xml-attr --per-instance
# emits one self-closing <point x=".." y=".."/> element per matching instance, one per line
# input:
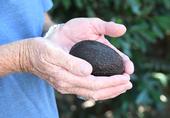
<point x="23" y="95"/>
<point x="20" y="19"/>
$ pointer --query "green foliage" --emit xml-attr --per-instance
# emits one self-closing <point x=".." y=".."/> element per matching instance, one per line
<point x="146" y="42"/>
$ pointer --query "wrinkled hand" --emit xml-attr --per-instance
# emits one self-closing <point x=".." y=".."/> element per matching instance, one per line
<point x="79" y="29"/>
<point x="69" y="74"/>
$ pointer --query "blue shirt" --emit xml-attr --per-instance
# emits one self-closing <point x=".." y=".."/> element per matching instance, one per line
<point x="23" y="95"/>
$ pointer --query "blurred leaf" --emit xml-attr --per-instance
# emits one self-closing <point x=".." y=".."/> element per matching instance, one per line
<point x="158" y="32"/>
<point x="167" y="4"/>
<point x="139" y="42"/>
<point x="139" y="27"/>
<point x="163" y="22"/>
<point x="143" y="98"/>
<point x="90" y="12"/>
<point x="135" y="6"/>
<point x="149" y="36"/>
<point x="66" y="3"/>
<point x="117" y="4"/>
<point x="162" y="78"/>
<point x="147" y="10"/>
<point x="126" y="48"/>
<point x="79" y="3"/>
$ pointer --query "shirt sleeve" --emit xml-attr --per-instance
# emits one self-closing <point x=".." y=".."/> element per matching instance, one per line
<point x="47" y="5"/>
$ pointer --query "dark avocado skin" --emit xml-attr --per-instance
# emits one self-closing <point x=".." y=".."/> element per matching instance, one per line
<point x="104" y="60"/>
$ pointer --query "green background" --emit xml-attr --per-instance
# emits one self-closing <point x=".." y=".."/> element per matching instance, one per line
<point x="147" y="43"/>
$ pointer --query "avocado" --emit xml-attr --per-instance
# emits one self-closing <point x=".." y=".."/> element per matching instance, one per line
<point x="104" y="60"/>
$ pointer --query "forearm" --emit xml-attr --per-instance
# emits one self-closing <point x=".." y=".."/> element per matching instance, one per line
<point x="10" y="57"/>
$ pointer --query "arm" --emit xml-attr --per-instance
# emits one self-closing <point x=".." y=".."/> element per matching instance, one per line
<point x="10" y="53"/>
<point x="67" y="74"/>
<point x="10" y="58"/>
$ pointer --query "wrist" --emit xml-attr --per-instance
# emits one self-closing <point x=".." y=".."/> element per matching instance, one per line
<point x="24" y="55"/>
<point x="10" y="58"/>
<point x="28" y="50"/>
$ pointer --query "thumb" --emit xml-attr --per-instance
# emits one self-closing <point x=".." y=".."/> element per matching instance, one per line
<point x="72" y="64"/>
<point x="108" y="28"/>
<point x="76" y="65"/>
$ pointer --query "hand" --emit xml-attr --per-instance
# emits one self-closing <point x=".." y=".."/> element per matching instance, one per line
<point x="79" y="29"/>
<point x="69" y="74"/>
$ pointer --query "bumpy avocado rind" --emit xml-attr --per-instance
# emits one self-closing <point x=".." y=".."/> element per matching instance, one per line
<point x="104" y="60"/>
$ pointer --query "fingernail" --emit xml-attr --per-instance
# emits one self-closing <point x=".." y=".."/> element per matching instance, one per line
<point x="120" y="29"/>
<point x="120" y="26"/>
<point x="127" y="76"/>
<point x="124" y="91"/>
<point x="129" y="86"/>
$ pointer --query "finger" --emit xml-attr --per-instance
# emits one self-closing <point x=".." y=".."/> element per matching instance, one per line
<point x="73" y="64"/>
<point x="89" y="82"/>
<point x="101" y="94"/>
<point x="113" y="92"/>
<point x="105" y="82"/>
<point x="129" y="66"/>
<point x="67" y="88"/>
<point x="92" y="82"/>
<point x="108" y="28"/>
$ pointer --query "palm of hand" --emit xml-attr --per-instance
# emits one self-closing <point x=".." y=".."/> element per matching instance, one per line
<point x="69" y="78"/>
<point x="79" y="29"/>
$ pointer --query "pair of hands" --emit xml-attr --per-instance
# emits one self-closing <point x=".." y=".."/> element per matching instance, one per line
<point x="49" y="59"/>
